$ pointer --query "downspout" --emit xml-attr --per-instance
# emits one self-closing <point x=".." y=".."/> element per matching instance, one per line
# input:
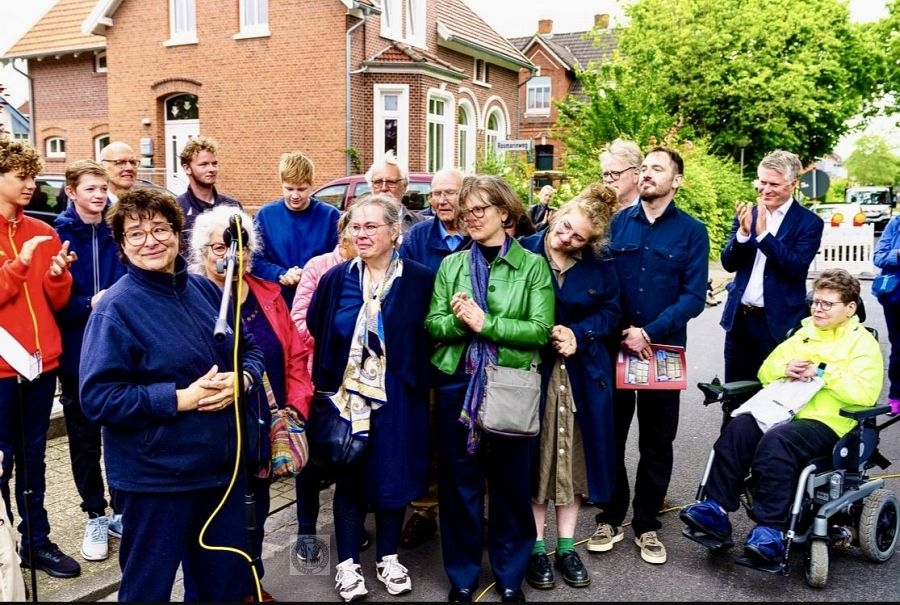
<point x="31" y="109"/>
<point x="350" y="31"/>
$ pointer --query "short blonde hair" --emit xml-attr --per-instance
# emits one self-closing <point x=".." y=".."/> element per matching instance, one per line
<point x="295" y="167"/>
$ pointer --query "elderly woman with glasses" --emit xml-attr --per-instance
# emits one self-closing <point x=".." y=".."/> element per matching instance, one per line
<point x="831" y="345"/>
<point x="267" y="317"/>
<point x="367" y="318"/>
<point x="577" y="415"/>
<point x="492" y="304"/>
<point x="163" y="386"/>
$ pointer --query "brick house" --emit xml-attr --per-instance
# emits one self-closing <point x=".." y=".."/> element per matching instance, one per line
<point x="558" y="57"/>
<point x="341" y="80"/>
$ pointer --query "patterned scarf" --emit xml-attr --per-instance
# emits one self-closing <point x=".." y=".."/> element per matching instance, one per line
<point x="363" y="388"/>
<point x="481" y="352"/>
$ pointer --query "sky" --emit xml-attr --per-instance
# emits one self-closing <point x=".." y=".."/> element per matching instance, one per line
<point x="511" y="18"/>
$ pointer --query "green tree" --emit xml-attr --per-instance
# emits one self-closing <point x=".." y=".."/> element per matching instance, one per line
<point x="872" y="162"/>
<point x="756" y="75"/>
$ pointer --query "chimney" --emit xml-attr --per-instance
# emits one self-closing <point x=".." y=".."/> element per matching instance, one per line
<point x="545" y="27"/>
<point x="601" y="21"/>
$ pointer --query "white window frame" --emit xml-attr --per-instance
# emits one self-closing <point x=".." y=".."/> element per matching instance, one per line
<point x="254" y="15"/>
<point x="465" y="137"/>
<point x="55" y="147"/>
<point x="401" y="114"/>
<point x="100" y="141"/>
<point x="481" y="72"/>
<point x="415" y="23"/>
<point x="538" y="96"/>
<point x="439" y="124"/>
<point x="182" y="22"/>
<point x="391" y="19"/>
<point x="100" y="62"/>
<point x="493" y="135"/>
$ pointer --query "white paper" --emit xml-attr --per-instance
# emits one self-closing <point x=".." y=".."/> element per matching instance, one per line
<point x="15" y="355"/>
<point x="779" y="401"/>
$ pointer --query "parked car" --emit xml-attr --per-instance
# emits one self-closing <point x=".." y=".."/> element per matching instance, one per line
<point x="341" y="192"/>
<point x="838" y="214"/>
<point x="877" y="203"/>
<point x="49" y="198"/>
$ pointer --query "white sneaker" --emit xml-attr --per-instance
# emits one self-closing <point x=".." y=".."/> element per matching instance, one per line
<point x="115" y="525"/>
<point x="95" y="546"/>
<point x="349" y="581"/>
<point x="393" y="575"/>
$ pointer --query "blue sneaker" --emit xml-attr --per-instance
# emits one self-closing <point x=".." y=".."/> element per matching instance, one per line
<point x="765" y="543"/>
<point x="708" y="517"/>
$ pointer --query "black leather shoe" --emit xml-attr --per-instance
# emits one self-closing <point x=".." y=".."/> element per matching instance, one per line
<point x="459" y="595"/>
<point x="52" y="560"/>
<point x="540" y="573"/>
<point x="573" y="571"/>
<point x="512" y="595"/>
<point x="418" y="530"/>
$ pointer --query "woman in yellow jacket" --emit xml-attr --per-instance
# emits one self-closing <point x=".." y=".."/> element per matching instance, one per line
<point x="831" y="344"/>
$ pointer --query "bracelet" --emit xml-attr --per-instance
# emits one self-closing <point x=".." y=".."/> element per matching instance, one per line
<point x="644" y="334"/>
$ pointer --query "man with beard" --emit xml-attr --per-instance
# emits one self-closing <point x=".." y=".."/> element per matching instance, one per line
<point x="661" y="256"/>
<point x="201" y="165"/>
<point x="121" y="165"/>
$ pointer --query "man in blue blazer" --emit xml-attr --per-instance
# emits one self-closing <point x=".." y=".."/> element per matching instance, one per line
<point x="771" y="246"/>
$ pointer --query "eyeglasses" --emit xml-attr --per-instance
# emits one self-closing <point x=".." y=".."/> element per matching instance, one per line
<point x="564" y="227"/>
<point x="122" y="163"/>
<point x="475" y="211"/>
<point x="613" y="175"/>
<point x="825" y="305"/>
<point x="444" y="194"/>
<point x="161" y="232"/>
<point x="370" y="230"/>
<point x="219" y="249"/>
<point x="389" y="183"/>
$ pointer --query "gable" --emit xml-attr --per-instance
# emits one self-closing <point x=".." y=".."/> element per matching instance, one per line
<point x="58" y="32"/>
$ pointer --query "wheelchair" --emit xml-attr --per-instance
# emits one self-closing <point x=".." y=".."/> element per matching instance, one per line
<point x="836" y="503"/>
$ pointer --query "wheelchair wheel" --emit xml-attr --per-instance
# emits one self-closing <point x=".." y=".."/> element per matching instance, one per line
<point x="878" y="525"/>
<point x="817" y="564"/>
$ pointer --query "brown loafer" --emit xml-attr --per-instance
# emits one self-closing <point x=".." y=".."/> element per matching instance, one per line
<point x="418" y="530"/>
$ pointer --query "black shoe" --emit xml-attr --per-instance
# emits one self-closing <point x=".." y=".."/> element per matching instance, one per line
<point x="540" y="573"/>
<point x="418" y="530"/>
<point x="459" y="595"/>
<point x="573" y="571"/>
<point x="52" y="560"/>
<point x="511" y="595"/>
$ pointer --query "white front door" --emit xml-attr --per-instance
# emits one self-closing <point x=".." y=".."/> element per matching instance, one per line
<point x="178" y="133"/>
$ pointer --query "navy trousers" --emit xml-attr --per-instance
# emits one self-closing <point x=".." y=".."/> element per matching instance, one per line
<point x="23" y="439"/>
<point x="160" y="530"/>
<point x="657" y="414"/>
<point x="892" y="319"/>
<point x="775" y="457"/>
<point x="502" y="464"/>
<point x="84" y="450"/>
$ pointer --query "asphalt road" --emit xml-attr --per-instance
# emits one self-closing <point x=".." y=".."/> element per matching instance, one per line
<point x="691" y="574"/>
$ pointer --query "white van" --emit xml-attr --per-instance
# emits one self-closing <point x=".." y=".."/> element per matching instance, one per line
<point x="877" y="202"/>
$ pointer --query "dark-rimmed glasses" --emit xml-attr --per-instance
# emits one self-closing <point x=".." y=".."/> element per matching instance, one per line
<point x="825" y="305"/>
<point x="475" y="212"/>
<point x="161" y="232"/>
<point x="218" y="249"/>
<point x="614" y="175"/>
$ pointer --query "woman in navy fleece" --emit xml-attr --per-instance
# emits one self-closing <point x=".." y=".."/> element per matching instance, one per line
<point x="163" y="388"/>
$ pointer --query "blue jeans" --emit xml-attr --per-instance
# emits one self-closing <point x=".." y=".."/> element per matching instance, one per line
<point x="24" y="420"/>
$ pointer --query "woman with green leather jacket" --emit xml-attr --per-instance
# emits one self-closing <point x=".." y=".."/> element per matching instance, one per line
<point x="492" y="303"/>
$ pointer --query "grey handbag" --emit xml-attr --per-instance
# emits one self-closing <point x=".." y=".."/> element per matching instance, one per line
<point x="511" y="401"/>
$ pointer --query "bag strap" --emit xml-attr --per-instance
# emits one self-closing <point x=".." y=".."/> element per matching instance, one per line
<point x="270" y="394"/>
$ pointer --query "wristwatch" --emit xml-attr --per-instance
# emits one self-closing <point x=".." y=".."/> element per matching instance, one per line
<point x="820" y="371"/>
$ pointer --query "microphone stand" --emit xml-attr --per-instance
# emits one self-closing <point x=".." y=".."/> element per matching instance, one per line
<point x="219" y="335"/>
<point x="27" y="491"/>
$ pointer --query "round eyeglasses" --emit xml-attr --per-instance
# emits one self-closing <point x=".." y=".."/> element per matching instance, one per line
<point x="161" y="232"/>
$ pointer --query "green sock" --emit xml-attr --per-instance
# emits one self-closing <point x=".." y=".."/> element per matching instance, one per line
<point x="565" y="545"/>
<point x="539" y="548"/>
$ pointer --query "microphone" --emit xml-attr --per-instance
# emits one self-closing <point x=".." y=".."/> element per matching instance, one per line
<point x="234" y="228"/>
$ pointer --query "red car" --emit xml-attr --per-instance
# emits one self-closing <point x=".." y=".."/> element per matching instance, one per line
<point x="341" y="192"/>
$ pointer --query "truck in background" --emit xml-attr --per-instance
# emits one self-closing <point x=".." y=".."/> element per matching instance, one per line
<point x="876" y="202"/>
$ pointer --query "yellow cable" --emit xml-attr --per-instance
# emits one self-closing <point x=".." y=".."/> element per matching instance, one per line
<point x="236" y="385"/>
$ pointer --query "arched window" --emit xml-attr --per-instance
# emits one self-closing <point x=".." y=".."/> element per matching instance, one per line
<point x="182" y="107"/>
<point x="465" y="137"/>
